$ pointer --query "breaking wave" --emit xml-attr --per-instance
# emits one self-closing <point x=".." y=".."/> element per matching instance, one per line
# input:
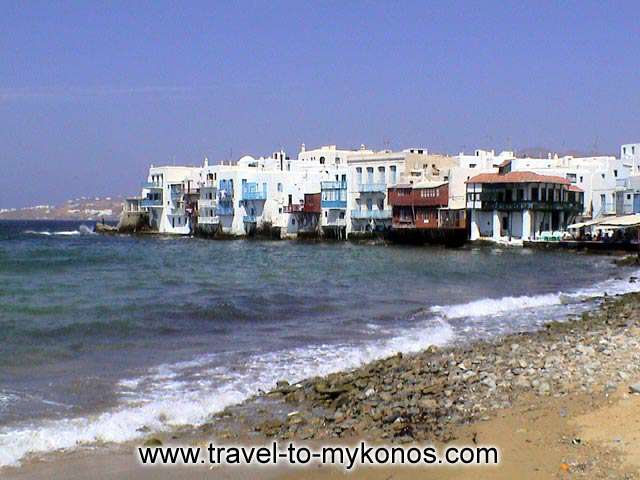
<point x="82" y="230"/>
<point x="496" y="306"/>
<point x="163" y="399"/>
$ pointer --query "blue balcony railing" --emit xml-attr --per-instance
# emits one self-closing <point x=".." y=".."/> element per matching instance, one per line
<point x="334" y="204"/>
<point x="249" y="219"/>
<point x="223" y="210"/>
<point x="150" y="185"/>
<point x="371" y="214"/>
<point x="251" y="191"/>
<point x="147" y="202"/>
<point x="372" y="188"/>
<point x="333" y="185"/>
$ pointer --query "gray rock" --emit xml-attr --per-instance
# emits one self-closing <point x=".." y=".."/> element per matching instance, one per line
<point x="635" y="388"/>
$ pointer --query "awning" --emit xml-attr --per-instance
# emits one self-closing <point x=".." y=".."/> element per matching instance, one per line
<point x="622" y="222"/>
<point x="588" y="223"/>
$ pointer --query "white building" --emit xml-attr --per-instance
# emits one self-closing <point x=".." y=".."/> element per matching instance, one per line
<point x="516" y="206"/>
<point x="169" y="196"/>
<point x="600" y="178"/>
<point x="369" y="176"/>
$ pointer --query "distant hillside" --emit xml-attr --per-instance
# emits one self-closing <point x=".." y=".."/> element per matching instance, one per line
<point x="78" y="209"/>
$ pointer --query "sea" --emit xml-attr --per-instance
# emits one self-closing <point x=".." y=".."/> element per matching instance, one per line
<point x="104" y="338"/>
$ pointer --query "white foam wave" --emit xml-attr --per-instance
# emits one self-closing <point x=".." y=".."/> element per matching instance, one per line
<point x="496" y="306"/>
<point x="171" y="402"/>
<point x="82" y="230"/>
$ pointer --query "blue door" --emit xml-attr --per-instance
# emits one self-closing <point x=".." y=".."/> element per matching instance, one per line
<point x="636" y="203"/>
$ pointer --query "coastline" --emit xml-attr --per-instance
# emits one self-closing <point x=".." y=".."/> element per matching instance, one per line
<point x="565" y="371"/>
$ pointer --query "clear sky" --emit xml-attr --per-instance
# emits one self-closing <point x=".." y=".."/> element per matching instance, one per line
<point x="91" y="93"/>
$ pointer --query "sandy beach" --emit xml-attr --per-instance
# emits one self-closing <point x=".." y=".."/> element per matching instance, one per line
<point x="558" y="403"/>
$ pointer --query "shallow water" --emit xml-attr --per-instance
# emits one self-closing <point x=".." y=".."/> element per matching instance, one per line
<point x="103" y="335"/>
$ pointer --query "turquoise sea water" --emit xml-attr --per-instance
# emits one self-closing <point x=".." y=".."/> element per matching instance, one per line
<point x="101" y="336"/>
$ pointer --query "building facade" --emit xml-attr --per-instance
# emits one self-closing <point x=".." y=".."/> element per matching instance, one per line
<point x="516" y="206"/>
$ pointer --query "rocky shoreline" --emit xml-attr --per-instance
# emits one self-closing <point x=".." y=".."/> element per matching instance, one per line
<point x="425" y="396"/>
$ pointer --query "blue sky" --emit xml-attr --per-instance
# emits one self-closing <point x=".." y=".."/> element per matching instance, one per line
<point x="91" y="93"/>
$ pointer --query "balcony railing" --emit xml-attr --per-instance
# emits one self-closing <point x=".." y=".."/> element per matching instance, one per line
<point x="334" y="185"/>
<point x="151" y="185"/>
<point x="249" y="219"/>
<point x="206" y="202"/>
<point x="370" y="214"/>
<point x="293" y="208"/>
<point x="336" y="204"/>
<point x="622" y="183"/>
<point x="529" y="205"/>
<point x="251" y="191"/>
<point x="372" y="188"/>
<point x="335" y="222"/>
<point x="209" y="184"/>
<point x="149" y="203"/>
<point x="224" y="210"/>
<point x="209" y="220"/>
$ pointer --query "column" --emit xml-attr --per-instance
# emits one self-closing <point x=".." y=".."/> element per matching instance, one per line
<point x="475" y="229"/>
<point x="496" y="225"/>
<point x="561" y="221"/>
<point x="526" y="224"/>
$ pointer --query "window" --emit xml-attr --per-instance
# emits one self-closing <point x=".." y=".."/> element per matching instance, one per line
<point x="381" y="175"/>
<point x="392" y="178"/>
<point x="602" y="175"/>
<point x="279" y="186"/>
<point x="337" y="160"/>
<point x="581" y="179"/>
<point x="380" y="204"/>
<point x="359" y="174"/>
<point x="534" y="194"/>
<point x="369" y="174"/>
<point x="321" y="160"/>
<point x="520" y="194"/>
<point x="472" y="165"/>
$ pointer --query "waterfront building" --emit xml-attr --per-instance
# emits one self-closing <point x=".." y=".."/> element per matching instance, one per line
<point x="369" y="176"/>
<point x="515" y="206"/>
<point x="601" y="178"/>
<point x="169" y="197"/>
<point x="327" y="170"/>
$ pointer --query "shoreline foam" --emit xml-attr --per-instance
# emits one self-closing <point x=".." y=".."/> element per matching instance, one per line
<point x="131" y="422"/>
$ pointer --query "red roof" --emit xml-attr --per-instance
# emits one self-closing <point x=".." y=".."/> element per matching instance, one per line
<point x="517" y="177"/>
<point x="574" y="188"/>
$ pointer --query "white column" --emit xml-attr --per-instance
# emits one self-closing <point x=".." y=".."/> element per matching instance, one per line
<point x="561" y="220"/>
<point x="496" y="225"/>
<point x="475" y="229"/>
<point x="526" y="224"/>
